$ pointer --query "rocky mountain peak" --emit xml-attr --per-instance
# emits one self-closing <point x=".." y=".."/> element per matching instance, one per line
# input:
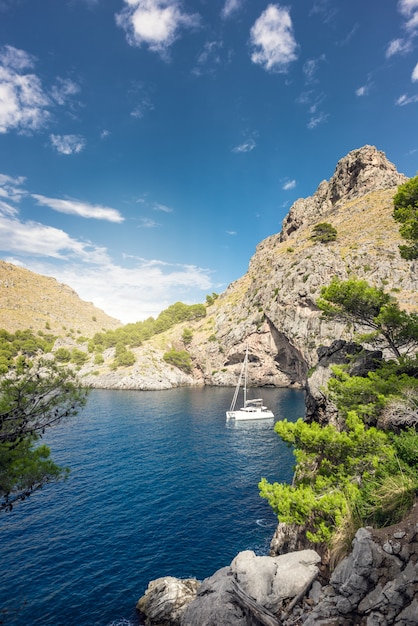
<point x="358" y="173"/>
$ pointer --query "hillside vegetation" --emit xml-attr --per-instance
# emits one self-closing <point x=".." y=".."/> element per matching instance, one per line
<point x="32" y="301"/>
<point x="345" y="230"/>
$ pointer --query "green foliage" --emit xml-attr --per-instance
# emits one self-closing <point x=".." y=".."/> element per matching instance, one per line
<point x="368" y="395"/>
<point x="324" y="233"/>
<point x="99" y="359"/>
<point x="22" y="342"/>
<point x="33" y="397"/>
<point x="123" y="357"/>
<point x="356" y="302"/>
<point x="133" y="335"/>
<point x="78" y="357"/>
<point x="180" y="359"/>
<point x="63" y="355"/>
<point x="187" y="336"/>
<point x="211" y="299"/>
<point x="405" y="212"/>
<point x="332" y="468"/>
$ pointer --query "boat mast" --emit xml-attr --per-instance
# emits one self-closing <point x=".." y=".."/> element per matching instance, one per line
<point x="245" y="376"/>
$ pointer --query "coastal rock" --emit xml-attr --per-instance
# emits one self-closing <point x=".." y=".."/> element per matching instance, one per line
<point x="271" y="580"/>
<point x="361" y="171"/>
<point x="376" y="584"/>
<point x="165" y="600"/>
<point x="272" y="308"/>
<point x="252" y="585"/>
<point x="214" y="604"/>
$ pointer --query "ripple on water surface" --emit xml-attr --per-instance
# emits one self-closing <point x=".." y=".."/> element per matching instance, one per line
<point x="160" y="485"/>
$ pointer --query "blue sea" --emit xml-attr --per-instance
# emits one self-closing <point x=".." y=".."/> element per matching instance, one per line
<point x="160" y="485"/>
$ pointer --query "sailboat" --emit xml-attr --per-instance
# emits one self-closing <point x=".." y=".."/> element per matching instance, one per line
<point x="252" y="409"/>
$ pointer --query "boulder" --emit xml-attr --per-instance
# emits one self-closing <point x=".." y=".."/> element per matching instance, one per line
<point x="215" y="604"/>
<point x="270" y="580"/>
<point x="166" y="599"/>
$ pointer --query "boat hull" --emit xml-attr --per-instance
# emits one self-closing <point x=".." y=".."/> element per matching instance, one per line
<point x="249" y="414"/>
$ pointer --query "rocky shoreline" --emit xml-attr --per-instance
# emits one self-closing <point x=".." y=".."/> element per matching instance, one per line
<point x="375" y="585"/>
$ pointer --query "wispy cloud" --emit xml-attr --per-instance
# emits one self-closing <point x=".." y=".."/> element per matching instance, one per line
<point x="398" y="46"/>
<point x="414" y="76"/>
<point x="272" y="39"/>
<point x="209" y="58"/>
<point x="246" y="146"/>
<point x="402" y="45"/>
<point x="162" y="207"/>
<point x="32" y="238"/>
<point x="25" y="105"/>
<point x="404" y="99"/>
<point x="362" y="91"/>
<point x="231" y="232"/>
<point x="317" y="119"/>
<point x="147" y="222"/>
<point x="63" y="90"/>
<point x="310" y="68"/>
<point x="154" y="23"/>
<point x="11" y="187"/>
<point x="231" y="7"/>
<point x="68" y="144"/>
<point x="132" y="291"/>
<point x="290" y="184"/>
<point x="141" y="108"/>
<point x="325" y="9"/>
<point x="81" y="209"/>
<point x="23" y="102"/>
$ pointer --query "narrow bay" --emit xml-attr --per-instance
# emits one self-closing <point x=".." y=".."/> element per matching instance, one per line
<point x="160" y="485"/>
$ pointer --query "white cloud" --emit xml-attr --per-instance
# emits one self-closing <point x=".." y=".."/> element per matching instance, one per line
<point x="130" y="293"/>
<point x="81" y="209"/>
<point x="246" y="146"/>
<point x="316" y="120"/>
<point x="231" y="6"/>
<point x="290" y="184"/>
<point x="231" y="232"/>
<point x="35" y="239"/>
<point x="409" y="10"/>
<point x="10" y="187"/>
<point x="154" y="23"/>
<point x="405" y="99"/>
<point x="68" y="144"/>
<point x="362" y="91"/>
<point x="414" y="76"/>
<point x="16" y="59"/>
<point x="142" y="107"/>
<point x="398" y="46"/>
<point x="310" y="68"/>
<point x="273" y="40"/>
<point x="63" y="90"/>
<point x="23" y="102"/>
<point x="147" y="222"/>
<point x="105" y="133"/>
<point x="210" y="58"/>
<point x="162" y="207"/>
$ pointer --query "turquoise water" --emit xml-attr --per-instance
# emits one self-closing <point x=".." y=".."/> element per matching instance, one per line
<point x="160" y="485"/>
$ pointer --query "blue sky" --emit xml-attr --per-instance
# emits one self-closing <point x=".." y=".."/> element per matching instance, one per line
<point x="148" y="146"/>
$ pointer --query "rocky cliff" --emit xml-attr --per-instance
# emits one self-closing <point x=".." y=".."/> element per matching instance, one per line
<point x="272" y="307"/>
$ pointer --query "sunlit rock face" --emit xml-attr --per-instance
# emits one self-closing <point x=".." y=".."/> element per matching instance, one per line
<point x="273" y="307"/>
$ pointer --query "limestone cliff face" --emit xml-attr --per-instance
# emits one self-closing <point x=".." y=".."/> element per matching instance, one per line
<point x="272" y="307"/>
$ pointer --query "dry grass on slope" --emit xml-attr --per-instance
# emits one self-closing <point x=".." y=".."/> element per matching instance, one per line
<point x="32" y="301"/>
